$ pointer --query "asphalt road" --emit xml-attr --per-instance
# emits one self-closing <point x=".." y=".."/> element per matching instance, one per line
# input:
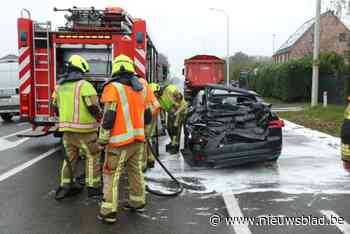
<point x="306" y="184"/>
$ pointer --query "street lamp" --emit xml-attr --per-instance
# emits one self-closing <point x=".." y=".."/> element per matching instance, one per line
<point x="227" y="45"/>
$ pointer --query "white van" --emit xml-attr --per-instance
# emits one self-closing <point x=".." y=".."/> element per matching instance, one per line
<point x="9" y="83"/>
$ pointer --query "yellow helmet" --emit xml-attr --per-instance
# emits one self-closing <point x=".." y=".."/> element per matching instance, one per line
<point x="79" y="63"/>
<point x="122" y="63"/>
<point x="155" y="87"/>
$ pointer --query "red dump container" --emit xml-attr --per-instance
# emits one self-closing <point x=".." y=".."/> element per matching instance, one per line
<point x="201" y="70"/>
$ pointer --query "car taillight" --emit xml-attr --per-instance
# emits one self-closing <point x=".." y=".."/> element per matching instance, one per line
<point x="200" y="141"/>
<point x="199" y="157"/>
<point x="276" y="124"/>
<point x="346" y="166"/>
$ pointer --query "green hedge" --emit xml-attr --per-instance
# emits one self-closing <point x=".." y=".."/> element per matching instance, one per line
<point x="292" y="81"/>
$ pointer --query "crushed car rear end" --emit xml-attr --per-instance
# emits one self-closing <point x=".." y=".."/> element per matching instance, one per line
<point x="231" y="126"/>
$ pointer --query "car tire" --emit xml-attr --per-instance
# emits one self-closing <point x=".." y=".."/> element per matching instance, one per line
<point x="7" y="117"/>
<point x="273" y="159"/>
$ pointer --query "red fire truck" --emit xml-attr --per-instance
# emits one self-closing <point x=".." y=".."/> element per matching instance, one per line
<point x="97" y="35"/>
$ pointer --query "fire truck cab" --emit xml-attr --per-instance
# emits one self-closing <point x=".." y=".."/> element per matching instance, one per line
<point x="97" y="35"/>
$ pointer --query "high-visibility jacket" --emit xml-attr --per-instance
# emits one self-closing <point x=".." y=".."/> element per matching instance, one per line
<point x="151" y="100"/>
<point x="172" y="99"/>
<point x="73" y="113"/>
<point x="129" y="121"/>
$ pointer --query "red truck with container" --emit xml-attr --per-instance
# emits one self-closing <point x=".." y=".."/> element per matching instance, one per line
<point x="200" y="71"/>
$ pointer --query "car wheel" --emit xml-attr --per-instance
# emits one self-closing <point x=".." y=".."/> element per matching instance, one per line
<point x="273" y="159"/>
<point x="7" y="117"/>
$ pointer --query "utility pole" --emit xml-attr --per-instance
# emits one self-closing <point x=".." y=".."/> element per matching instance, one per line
<point x="227" y="43"/>
<point x="228" y="49"/>
<point x="316" y="60"/>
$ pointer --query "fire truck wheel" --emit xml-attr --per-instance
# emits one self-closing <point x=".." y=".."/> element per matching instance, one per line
<point x="7" y="117"/>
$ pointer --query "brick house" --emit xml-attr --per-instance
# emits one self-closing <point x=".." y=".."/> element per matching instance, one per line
<point x="335" y="36"/>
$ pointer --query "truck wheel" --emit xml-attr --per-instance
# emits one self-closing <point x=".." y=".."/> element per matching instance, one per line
<point x="7" y="117"/>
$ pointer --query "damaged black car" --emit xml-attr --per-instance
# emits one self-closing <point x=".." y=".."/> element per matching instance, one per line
<point x="229" y="126"/>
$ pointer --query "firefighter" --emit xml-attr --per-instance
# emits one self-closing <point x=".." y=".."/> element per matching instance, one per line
<point x="345" y="138"/>
<point x="76" y="103"/>
<point x="123" y="134"/>
<point x="173" y="102"/>
<point x="162" y="113"/>
<point x="153" y="104"/>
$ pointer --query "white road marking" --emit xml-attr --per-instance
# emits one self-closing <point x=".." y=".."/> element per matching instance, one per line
<point x="234" y="210"/>
<point x="16" y="133"/>
<point x="344" y="227"/>
<point x="25" y="165"/>
<point x="21" y="124"/>
<point x="5" y="144"/>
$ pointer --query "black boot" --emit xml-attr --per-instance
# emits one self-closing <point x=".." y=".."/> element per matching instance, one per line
<point x="108" y="218"/>
<point x="168" y="147"/>
<point x="130" y="208"/>
<point x="68" y="191"/>
<point x="94" y="192"/>
<point x="150" y="164"/>
<point x="174" y="149"/>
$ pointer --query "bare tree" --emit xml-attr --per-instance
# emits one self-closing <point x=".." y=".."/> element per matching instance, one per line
<point x="339" y="7"/>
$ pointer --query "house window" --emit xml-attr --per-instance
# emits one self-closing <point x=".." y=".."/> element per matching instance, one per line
<point x="342" y="37"/>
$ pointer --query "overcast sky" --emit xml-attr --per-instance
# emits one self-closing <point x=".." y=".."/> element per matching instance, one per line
<point x="183" y="28"/>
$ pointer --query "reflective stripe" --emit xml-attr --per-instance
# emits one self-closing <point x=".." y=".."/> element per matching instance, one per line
<point x="75" y="125"/>
<point x="141" y="52"/>
<point x="107" y="205"/>
<point x="131" y="132"/>
<point x="77" y="101"/>
<point x="22" y="50"/>
<point x="89" y="176"/>
<point x="24" y="63"/>
<point x="124" y="105"/>
<point x="24" y="78"/>
<point x="139" y="65"/>
<point x="115" y="181"/>
<point x="345" y="149"/>
<point x="124" y="137"/>
<point x="27" y="90"/>
<point x="92" y="181"/>
<point x="174" y="140"/>
<point x="140" y="199"/>
<point x="144" y="90"/>
<point x="63" y="180"/>
<point x="347" y="115"/>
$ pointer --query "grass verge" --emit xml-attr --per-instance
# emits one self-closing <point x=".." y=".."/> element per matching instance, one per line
<point x="327" y="120"/>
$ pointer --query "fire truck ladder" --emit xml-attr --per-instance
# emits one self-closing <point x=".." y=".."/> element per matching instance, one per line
<point x="41" y="31"/>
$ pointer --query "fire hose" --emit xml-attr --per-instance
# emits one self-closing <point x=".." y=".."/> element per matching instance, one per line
<point x="179" y="189"/>
<point x="177" y="192"/>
